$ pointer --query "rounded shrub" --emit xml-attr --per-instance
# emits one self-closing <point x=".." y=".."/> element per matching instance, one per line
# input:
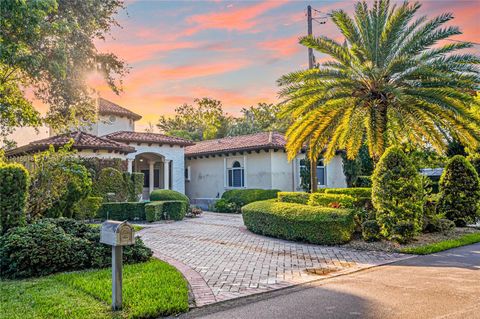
<point x="397" y="195"/>
<point x="241" y="197"/>
<point x="14" y="183"/>
<point x="167" y="194"/>
<point x="459" y="191"/>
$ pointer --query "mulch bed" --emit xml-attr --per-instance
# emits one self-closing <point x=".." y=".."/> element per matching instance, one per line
<point x="423" y="239"/>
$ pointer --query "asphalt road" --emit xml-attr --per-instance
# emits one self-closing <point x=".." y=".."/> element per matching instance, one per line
<point x="442" y="285"/>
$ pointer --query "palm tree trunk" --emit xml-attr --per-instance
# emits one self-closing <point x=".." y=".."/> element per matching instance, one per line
<point x="313" y="175"/>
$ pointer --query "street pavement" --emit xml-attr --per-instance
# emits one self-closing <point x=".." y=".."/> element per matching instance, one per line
<point x="441" y="285"/>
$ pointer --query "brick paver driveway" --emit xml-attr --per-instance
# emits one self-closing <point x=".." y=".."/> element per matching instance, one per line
<point x="223" y="260"/>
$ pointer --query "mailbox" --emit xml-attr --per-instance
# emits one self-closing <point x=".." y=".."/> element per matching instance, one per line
<point x="116" y="233"/>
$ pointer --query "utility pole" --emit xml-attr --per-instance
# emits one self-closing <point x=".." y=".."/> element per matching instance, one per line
<point x="310" y="32"/>
<point x="313" y="160"/>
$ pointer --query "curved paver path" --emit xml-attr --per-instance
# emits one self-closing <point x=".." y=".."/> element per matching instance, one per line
<point x="223" y="260"/>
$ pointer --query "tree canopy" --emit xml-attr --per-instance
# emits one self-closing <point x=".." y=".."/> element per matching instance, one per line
<point x="393" y="80"/>
<point x="206" y="120"/>
<point x="47" y="52"/>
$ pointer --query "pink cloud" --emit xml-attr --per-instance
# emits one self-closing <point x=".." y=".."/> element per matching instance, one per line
<point x="140" y="52"/>
<point x="284" y="47"/>
<point x="238" y="19"/>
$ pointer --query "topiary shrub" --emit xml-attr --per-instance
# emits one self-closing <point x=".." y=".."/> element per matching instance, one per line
<point x="371" y="230"/>
<point x="331" y="200"/>
<point x="241" y="197"/>
<point x="224" y="206"/>
<point x="122" y="211"/>
<point x="54" y="245"/>
<point x="397" y="196"/>
<point x="317" y="225"/>
<point x="78" y="186"/>
<point x="459" y="191"/>
<point x="134" y="186"/>
<point x="111" y="185"/>
<point x="87" y="208"/>
<point x="293" y="197"/>
<point x="14" y="183"/>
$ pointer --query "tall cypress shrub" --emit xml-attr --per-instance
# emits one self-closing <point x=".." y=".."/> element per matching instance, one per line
<point x="397" y="195"/>
<point x="14" y="183"/>
<point x="459" y="191"/>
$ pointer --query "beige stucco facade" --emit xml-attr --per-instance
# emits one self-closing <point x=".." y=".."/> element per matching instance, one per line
<point x="265" y="169"/>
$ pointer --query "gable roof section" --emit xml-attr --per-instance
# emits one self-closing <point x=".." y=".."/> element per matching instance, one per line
<point x="143" y="137"/>
<point x="257" y="141"/>
<point x="81" y="140"/>
<point x="106" y="107"/>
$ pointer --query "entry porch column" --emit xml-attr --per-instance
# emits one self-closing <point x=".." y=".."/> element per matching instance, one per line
<point x="129" y="165"/>
<point x="166" y="174"/>
<point x="151" y="174"/>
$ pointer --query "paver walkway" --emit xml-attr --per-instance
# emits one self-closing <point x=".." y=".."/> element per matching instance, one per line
<point x="223" y="260"/>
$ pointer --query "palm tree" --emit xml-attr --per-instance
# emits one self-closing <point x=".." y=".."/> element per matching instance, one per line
<point x="393" y="80"/>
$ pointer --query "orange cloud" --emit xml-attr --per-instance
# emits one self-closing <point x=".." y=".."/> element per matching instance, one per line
<point x="141" y="52"/>
<point x="284" y="47"/>
<point x="190" y="71"/>
<point x="238" y="19"/>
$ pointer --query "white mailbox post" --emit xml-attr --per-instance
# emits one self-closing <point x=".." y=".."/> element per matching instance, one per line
<point x="117" y="234"/>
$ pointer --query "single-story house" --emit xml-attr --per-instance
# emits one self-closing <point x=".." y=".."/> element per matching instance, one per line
<point x="202" y="170"/>
<point x="250" y="161"/>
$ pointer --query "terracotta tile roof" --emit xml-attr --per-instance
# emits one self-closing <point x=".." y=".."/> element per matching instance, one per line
<point x="106" y="107"/>
<point x="81" y="140"/>
<point x="263" y="140"/>
<point x="142" y="137"/>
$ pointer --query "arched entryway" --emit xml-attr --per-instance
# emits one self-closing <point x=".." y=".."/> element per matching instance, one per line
<point x="156" y="170"/>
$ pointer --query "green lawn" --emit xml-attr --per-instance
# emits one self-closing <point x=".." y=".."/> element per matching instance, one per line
<point x="150" y="289"/>
<point x="467" y="239"/>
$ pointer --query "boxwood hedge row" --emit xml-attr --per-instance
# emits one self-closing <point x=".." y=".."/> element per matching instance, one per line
<point x="317" y="225"/>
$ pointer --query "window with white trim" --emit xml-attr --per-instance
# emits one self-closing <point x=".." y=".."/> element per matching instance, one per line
<point x="187" y="173"/>
<point x="235" y="175"/>
<point x="321" y="171"/>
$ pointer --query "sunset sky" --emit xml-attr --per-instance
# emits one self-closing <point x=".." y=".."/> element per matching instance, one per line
<point x="233" y="51"/>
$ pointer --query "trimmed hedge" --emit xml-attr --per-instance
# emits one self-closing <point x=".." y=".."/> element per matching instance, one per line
<point x="153" y="211"/>
<point x="122" y="211"/>
<point x="317" y="225"/>
<point x="357" y="192"/>
<point x="331" y="200"/>
<point x="293" y="197"/>
<point x="174" y="209"/>
<point x="241" y="197"/>
<point x="14" y="183"/>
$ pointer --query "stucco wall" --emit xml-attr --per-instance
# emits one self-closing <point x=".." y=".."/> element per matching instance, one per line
<point x="105" y="126"/>
<point x="267" y="170"/>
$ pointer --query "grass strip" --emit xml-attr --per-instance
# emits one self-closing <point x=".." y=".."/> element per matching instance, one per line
<point x="464" y="240"/>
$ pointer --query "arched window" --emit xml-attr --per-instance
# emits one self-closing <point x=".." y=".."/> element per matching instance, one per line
<point x="236" y="175"/>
